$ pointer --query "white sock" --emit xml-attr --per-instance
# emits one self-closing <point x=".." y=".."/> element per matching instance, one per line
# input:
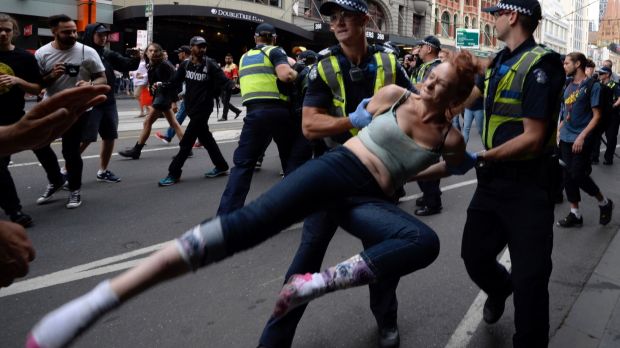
<point x="100" y="171"/>
<point x="60" y="327"/>
<point x="63" y="170"/>
<point x="576" y="212"/>
<point x="603" y="202"/>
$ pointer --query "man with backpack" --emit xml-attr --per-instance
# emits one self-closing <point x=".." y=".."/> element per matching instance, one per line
<point x="580" y="115"/>
<point x="610" y="120"/>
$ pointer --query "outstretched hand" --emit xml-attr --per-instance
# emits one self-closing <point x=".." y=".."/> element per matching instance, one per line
<point x="15" y="252"/>
<point x="50" y="118"/>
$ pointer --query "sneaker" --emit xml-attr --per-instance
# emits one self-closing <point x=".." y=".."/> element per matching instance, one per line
<point x="19" y="217"/>
<point x="168" y="181"/>
<point x="215" y="172"/>
<point x="605" y="216"/>
<point x="108" y="176"/>
<point x="237" y="114"/>
<point x="571" y="221"/>
<point x="258" y="165"/>
<point x="389" y="337"/>
<point x="162" y="137"/>
<point x="49" y="192"/>
<point x="75" y="200"/>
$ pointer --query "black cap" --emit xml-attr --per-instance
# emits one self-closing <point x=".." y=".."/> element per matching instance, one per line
<point x="184" y="49"/>
<point x="604" y="70"/>
<point x="197" y="40"/>
<point x="102" y="29"/>
<point x="430" y="41"/>
<point x="359" y="6"/>
<point x="308" y="54"/>
<point x="265" y="29"/>
<point x="524" y="7"/>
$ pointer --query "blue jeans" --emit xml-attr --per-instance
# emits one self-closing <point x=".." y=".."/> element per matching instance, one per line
<point x="470" y="116"/>
<point x="395" y="242"/>
<point x="181" y="114"/>
<point x="260" y="125"/>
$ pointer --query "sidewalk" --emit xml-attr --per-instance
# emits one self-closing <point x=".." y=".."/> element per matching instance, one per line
<point x="594" y="319"/>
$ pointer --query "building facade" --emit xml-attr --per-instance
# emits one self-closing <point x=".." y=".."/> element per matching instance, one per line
<point x="553" y="30"/>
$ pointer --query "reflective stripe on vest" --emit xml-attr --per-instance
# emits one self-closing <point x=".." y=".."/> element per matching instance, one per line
<point x="508" y="96"/>
<point x="257" y="76"/>
<point x="419" y="77"/>
<point x="331" y="74"/>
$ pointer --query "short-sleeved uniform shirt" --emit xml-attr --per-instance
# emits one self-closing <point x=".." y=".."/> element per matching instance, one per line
<point x="540" y="95"/>
<point x="277" y="56"/>
<point x="577" y="104"/>
<point x="320" y="95"/>
<point x="22" y="64"/>
<point x="86" y="57"/>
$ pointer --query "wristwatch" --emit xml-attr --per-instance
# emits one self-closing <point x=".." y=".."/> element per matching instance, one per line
<point x="480" y="161"/>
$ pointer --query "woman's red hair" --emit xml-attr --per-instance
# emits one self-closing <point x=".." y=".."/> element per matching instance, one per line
<point x="467" y="67"/>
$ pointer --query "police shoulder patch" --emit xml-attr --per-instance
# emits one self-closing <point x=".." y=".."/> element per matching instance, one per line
<point x="313" y="73"/>
<point x="541" y="76"/>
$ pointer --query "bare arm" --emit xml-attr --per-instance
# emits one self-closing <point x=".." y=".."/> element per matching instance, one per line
<point x="531" y="141"/>
<point x="96" y="79"/>
<point x="28" y="87"/>
<point x="286" y="73"/>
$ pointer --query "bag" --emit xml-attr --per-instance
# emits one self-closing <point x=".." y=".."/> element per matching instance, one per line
<point x="161" y="101"/>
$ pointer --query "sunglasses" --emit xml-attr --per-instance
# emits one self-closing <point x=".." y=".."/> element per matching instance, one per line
<point x="344" y="15"/>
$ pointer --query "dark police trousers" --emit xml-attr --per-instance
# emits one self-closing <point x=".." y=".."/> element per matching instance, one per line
<point x="512" y="208"/>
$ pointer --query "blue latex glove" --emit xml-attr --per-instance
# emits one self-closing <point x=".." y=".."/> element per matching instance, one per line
<point x="360" y="118"/>
<point x="469" y="161"/>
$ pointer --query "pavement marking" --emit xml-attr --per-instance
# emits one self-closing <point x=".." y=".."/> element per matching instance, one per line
<point x="470" y="322"/>
<point x="111" y="264"/>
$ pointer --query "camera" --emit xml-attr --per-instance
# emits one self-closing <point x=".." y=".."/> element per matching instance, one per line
<point x="72" y="69"/>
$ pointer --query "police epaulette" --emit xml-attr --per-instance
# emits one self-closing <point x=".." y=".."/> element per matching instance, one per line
<point x="328" y="52"/>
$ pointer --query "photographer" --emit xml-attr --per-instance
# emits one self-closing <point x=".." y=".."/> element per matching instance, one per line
<point x="66" y="63"/>
<point x="103" y="118"/>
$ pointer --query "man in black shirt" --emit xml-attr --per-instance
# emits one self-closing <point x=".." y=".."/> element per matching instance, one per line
<point x="19" y="73"/>
<point x="203" y="81"/>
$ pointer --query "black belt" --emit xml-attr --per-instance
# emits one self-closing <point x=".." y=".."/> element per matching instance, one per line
<point x="526" y="171"/>
<point x="266" y="106"/>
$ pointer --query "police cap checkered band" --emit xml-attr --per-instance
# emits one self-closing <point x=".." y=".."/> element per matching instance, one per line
<point x="524" y="7"/>
<point x="348" y="5"/>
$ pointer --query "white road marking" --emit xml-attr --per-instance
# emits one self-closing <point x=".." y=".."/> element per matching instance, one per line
<point x="468" y="325"/>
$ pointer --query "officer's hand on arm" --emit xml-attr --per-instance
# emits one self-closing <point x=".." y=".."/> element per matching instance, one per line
<point x="49" y="119"/>
<point x="16" y="252"/>
<point x="360" y="118"/>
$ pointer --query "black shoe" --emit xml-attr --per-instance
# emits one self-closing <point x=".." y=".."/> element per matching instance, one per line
<point x="20" y="218"/>
<point x="605" y="216"/>
<point x="570" y="221"/>
<point x="237" y="114"/>
<point x="608" y="163"/>
<point x="426" y="210"/>
<point x="389" y="337"/>
<point x="420" y="202"/>
<point x="494" y="308"/>
<point x="133" y="152"/>
<point x="595" y="161"/>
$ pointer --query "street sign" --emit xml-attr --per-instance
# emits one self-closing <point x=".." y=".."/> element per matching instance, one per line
<point x="148" y="9"/>
<point x="467" y="38"/>
<point x="141" y="39"/>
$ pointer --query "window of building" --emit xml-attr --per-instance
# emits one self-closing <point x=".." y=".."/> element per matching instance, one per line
<point x="487" y="35"/>
<point x="445" y="24"/>
<point x="377" y="17"/>
<point x="466" y="22"/>
<point x="474" y="23"/>
<point x="417" y="26"/>
<point x="456" y="21"/>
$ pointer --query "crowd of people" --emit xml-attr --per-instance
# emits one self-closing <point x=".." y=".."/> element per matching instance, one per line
<point x="353" y="124"/>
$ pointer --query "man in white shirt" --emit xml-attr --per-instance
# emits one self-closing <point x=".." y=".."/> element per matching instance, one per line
<point x="66" y="63"/>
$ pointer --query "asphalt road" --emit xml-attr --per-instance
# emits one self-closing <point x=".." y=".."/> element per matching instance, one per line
<point x="227" y="304"/>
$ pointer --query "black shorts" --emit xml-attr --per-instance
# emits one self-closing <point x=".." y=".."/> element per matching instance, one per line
<point x="102" y="119"/>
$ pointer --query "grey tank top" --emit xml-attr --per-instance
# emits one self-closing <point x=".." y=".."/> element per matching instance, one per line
<point x="402" y="157"/>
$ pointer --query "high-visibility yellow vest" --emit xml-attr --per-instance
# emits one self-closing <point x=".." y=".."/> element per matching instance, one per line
<point x="257" y="76"/>
<point x="419" y="77"/>
<point x="330" y="72"/>
<point x="508" y="97"/>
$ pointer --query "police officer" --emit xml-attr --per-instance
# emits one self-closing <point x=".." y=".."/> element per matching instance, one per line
<point x="611" y="133"/>
<point x="265" y="79"/>
<point x="512" y="203"/>
<point x="430" y="202"/>
<point x="346" y="74"/>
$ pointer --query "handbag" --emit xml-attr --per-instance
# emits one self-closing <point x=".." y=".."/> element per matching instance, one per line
<point x="162" y="100"/>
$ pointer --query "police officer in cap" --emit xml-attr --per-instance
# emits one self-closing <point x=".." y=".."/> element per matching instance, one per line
<point x="512" y="204"/>
<point x="265" y="78"/>
<point x="430" y="202"/>
<point x="347" y="75"/>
